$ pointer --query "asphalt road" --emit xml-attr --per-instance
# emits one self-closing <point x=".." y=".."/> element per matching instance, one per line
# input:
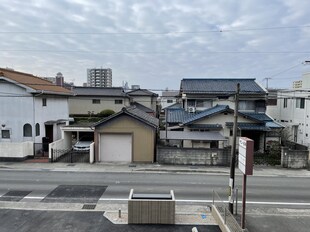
<point x="260" y="190"/>
<point x="274" y="203"/>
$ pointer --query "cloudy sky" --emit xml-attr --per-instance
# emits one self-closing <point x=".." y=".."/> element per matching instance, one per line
<point x="156" y="43"/>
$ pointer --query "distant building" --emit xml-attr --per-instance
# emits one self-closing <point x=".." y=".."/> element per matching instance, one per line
<point x="59" y="81"/>
<point x="303" y="83"/>
<point x="99" y="77"/>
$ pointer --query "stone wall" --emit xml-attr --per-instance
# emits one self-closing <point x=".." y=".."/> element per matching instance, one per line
<point x="193" y="156"/>
<point x="294" y="158"/>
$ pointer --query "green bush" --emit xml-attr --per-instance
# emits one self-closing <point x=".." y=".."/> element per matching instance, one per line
<point x="105" y="113"/>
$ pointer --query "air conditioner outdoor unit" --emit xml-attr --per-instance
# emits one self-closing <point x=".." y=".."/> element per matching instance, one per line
<point x="191" y="109"/>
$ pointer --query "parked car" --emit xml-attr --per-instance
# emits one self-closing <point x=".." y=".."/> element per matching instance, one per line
<point x="83" y="144"/>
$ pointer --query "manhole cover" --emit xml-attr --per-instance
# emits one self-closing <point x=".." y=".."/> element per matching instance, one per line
<point x="89" y="206"/>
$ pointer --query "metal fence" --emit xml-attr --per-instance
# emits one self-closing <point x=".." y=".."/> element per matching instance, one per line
<point x="228" y="218"/>
<point x="69" y="156"/>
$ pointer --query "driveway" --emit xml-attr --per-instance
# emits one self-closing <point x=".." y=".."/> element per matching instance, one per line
<point x="48" y="221"/>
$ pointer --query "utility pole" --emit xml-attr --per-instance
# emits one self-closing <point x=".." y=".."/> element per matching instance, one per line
<point x="233" y="153"/>
<point x="267" y="79"/>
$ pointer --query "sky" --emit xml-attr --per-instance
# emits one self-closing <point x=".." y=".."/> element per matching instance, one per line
<point x="157" y="43"/>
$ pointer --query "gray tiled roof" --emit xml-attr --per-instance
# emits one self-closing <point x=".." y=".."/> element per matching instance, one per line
<point x="177" y="115"/>
<point x="249" y="126"/>
<point x="135" y="113"/>
<point x="142" y="107"/>
<point x="207" y="113"/>
<point x="141" y="92"/>
<point x="225" y="86"/>
<point x="99" y="91"/>
<point x="147" y="118"/>
<point x="258" y="116"/>
<point x="169" y="93"/>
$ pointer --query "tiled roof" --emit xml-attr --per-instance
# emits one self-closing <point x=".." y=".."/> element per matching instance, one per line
<point x="207" y="113"/>
<point x="174" y="106"/>
<point x="37" y="84"/>
<point x="141" y="92"/>
<point x="177" y="115"/>
<point x="142" y="107"/>
<point x="258" y="116"/>
<point x="274" y="125"/>
<point x="135" y="113"/>
<point x="99" y="91"/>
<point x="249" y="126"/>
<point x="205" y="126"/>
<point x="225" y="86"/>
<point x="169" y="93"/>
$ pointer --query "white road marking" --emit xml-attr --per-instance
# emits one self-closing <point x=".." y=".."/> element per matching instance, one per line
<point x="210" y="201"/>
<point x="30" y="197"/>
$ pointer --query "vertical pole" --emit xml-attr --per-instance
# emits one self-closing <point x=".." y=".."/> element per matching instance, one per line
<point x="233" y="153"/>
<point x="166" y="117"/>
<point x="236" y="210"/>
<point x="213" y="196"/>
<point x="52" y="155"/>
<point x="225" y="215"/>
<point x="243" y="202"/>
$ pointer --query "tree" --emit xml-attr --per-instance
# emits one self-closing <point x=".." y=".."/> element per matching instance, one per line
<point x="105" y="113"/>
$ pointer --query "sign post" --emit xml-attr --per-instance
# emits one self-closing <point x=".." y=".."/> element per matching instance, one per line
<point x="245" y="164"/>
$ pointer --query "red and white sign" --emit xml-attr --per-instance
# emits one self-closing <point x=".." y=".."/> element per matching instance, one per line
<point x="246" y="153"/>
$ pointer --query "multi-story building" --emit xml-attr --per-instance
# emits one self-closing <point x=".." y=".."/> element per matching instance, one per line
<point x="207" y="114"/>
<point x="99" y="77"/>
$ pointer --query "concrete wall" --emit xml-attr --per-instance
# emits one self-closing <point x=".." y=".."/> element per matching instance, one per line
<point x="294" y="158"/>
<point x="143" y="137"/>
<point x="16" y="151"/>
<point x="193" y="156"/>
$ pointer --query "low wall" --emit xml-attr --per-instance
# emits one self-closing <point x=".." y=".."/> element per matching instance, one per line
<point x="15" y="151"/>
<point x="151" y="210"/>
<point x="193" y="156"/>
<point x="294" y="158"/>
<point x="57" y="145"/>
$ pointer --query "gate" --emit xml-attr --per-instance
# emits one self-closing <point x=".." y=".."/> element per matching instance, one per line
<point x="69" y="156"/>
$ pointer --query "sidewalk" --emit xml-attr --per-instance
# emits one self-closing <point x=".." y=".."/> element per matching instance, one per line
<point x="158" y="168"/>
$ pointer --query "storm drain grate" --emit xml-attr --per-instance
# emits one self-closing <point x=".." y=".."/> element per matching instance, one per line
<point x="88" y="206"/>
<point x="70" y="165"/>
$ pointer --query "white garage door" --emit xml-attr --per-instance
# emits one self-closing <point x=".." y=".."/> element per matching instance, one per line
<point x="115" y="147"/>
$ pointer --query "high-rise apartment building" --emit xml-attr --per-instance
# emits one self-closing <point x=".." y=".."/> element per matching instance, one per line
<point x="99" y="77"/>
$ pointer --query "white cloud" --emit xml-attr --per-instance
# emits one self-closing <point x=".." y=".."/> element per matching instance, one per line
<point x="168" y="57"/>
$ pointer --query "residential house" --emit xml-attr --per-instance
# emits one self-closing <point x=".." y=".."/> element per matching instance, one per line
<point x="144" y="97"/>
<point x="207" y="114"/>
<point x="127" y="136"/>
<point x="32" y="112"/>
<point x="291" y="107"/>
<point x="89" y="101"/>
<point x="168" y="98"/>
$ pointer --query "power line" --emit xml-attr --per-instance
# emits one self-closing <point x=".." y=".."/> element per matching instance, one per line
<point x="155" y="52"/>
<point x="156" y="33"/>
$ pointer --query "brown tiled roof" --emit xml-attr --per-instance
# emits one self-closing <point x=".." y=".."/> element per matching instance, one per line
<point x="33" y="82"/>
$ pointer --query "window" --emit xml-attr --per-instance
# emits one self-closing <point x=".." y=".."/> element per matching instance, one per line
<point x="37" y="129"/>
<point x="43" y="101"/>
<point x="300" y="103"/>
<point x="169" y="101"/>
<point x="27" y="130"/>
<point x="118" y="101"/>
<point x="5" y="134"/>
<point x="96" y="101"/>
<point x="285" y="103"/>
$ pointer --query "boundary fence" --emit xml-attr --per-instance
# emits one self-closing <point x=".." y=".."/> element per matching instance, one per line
<point x="229" y="221"/>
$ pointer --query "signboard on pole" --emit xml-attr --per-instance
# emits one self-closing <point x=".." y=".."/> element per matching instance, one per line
<point x="246" y="153"/>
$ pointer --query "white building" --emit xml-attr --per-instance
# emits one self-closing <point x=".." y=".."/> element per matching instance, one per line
<point x="292" y="109"/>
<point x="99" y="77"/>
<point x="168" y="98"/>
<point x="31" y="108"/>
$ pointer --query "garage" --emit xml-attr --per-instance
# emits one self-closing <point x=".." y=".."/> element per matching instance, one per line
<point x="127" y="136"/>
<point x="115" y="147"/>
